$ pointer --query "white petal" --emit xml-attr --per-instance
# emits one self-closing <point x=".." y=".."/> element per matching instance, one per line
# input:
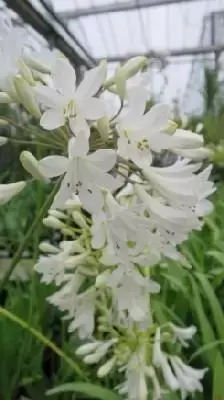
<point x="102" y="179"/>
<point x="93" y="108"/>
<point x="158" y="116"/>
<point x="64" y="194"/>
<point x="48" y="96"/>
<point x="52" y="119"/>
<point x="78" y="146"/>
<point x="103" y="159"/>
<point x="8" y="190"/>
<point x="186" y="139"/>
<point x="52" y="166"/>
<point x="64" y="77"/>
<point x="79" y="125"/>
<point x="137" y="98"/>
<point x="93" y="80"/>
<point x="92" y="199"/>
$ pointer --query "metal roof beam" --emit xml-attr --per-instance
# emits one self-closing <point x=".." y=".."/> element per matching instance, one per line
<point x="191" y="51"/>
<point x="53" y="30"/>
<point x="117" y="7"/>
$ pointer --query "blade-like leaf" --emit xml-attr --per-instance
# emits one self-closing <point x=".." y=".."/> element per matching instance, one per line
<point x="93" y="391"/>
<point x="218" y="388"/>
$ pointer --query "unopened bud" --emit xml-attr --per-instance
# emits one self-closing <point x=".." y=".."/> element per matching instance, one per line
<point x="9" y="190"/>
<point x="89" y="271"/>
<point x="73" y="203"/>
<point x="106" y="368"/>
<point x="68" y="232"/>
<point x="26" y="72"/>
<point x="52" y="222"/>
<point x="187" y="140"/>
<point x="26" y="96"/>
<point x="75" y="261"/>
<point x="120" y="81"/>
<point x="3" y="140"/>
<point x="5" y="98"/>
<point x="76" y="246"/>
<point x="102" y="125"/>
<point x="86" y="348"/>
<point x="47" y="247"/>
<point x="79" y="219"/>
<point x="134" y="65"/>
<point x="102" y="278"/>
<point x="31" y="165"/>
<point x="57" y="214"/>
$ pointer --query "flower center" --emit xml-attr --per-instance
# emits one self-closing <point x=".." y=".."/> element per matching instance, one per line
<point x="70" y="109"/>
<point x="143" y="144"/>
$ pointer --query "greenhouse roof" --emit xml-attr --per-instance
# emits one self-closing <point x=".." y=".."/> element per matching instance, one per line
<point x="181" y="31"/>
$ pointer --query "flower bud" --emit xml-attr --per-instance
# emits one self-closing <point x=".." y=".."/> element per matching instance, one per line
<point x="26" y="72"/>
<point x="47" y="247"/>
<point x="102" y="278"/>
<point x="93" y="358"/>
<point x="102" y="125"/>
<point x="3" y="140"/>
<point x="26" y="96"/>
<point x="68" y="232"/>
<point x="106" y="368"/>
<point x="134" y="65"/>
<point x="52" y="222"/>
<point x="120" y="81"/>
<point x="79" y="219"/>
<point x="182" y="139"/>
<point x="4" y="98"/>
<point x="89" y="271"/>
<point x="57" y="214"/>
<point x="31" y="165"/>
<point x="73" y="203"/>
<point x="87" y="348"/>
<point x="75" y="261"/>
<point x="9" y="190"/>
<point x="76" y="246"/>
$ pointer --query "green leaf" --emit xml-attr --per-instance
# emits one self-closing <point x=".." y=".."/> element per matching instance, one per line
<point x="206" y="348"/>
<point x="205" y="327"/>
<point x="214" y="304"/>
<point x="218" y="385"/>
<point x="93" y="391"/>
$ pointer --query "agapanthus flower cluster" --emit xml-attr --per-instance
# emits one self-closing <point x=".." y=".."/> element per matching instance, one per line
<point x="117" y="213"/>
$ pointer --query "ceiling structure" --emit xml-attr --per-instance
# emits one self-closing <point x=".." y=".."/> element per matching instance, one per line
<point x="118" y="29"/>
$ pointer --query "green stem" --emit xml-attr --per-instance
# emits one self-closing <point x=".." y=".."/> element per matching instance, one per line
<point x="27" y="237"/>
<point x="29" y="142"/>
<point x="47" y="342"/>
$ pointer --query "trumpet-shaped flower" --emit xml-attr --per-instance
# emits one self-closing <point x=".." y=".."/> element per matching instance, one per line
<point x="64" y="101"/>
<point x="85" y="174"/>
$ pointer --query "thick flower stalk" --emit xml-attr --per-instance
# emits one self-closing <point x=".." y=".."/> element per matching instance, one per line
<point x="117" y="214"/>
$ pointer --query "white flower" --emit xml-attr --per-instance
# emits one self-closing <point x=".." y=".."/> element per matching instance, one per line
<point x="179" y="184"/>
<point x="188" y="377"/>
<point x="160" y="361"/>
<point x="52" y="268"/>
<point x="172" y="223"/>
<point x="9" y="190"/>
<point x="140" y="133"/>
<point x="65" y="101"/>
<point x="118" y="225"/>
<point x="100" y="351"/>
<point x="183" y="334"/>
<point x="130" y="291"/>
<point x="85" y="174"/>
<point x="83" y="318"/>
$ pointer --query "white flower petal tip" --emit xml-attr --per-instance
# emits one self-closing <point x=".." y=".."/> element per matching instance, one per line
<point x="9" y="190"/>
